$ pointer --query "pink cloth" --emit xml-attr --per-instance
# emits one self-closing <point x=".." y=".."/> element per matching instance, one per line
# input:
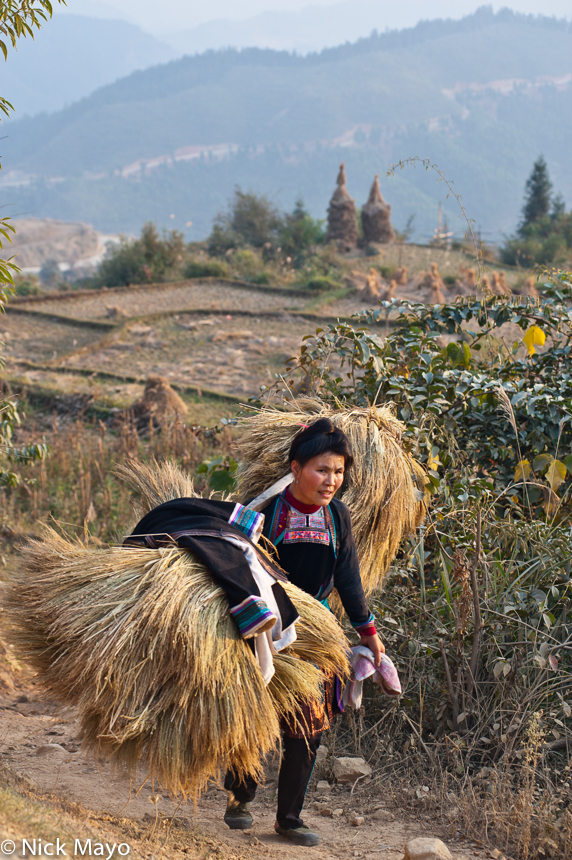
<point x="363" y="666"/>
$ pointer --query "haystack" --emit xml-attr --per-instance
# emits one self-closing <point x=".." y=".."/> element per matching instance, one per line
<point x="160" y="404"/>
<point x="383" y="488"/>
<point x="142" y="644"/>
<point x="498" y="284"/>
<point x="437" y="295"/>
<point x="342" y="215"/>
<point x="468" y="279"/>
<point x="375" y="289"/>
<point x="529" y="289"/>
<point x="376" y="217"/>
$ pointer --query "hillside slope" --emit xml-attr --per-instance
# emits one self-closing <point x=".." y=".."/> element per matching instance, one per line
<point x="482" y="96"/>
<point x="73" y="56"/>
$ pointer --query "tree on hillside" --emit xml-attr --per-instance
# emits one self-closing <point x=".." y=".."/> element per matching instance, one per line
<point x="300" y="232"/>
<point x="254" y="218"/>
<point x="545" y="233"/>
<point x="538" y="193"/>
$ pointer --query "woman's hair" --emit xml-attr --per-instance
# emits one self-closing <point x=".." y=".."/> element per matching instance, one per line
<point x="319" y="438"/>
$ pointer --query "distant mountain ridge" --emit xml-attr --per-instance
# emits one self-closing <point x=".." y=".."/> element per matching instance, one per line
<point x="71" y="56"/>
<point x="432" y="91"/>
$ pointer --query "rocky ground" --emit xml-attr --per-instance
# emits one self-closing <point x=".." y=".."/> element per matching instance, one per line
<point x="41" y="749"/>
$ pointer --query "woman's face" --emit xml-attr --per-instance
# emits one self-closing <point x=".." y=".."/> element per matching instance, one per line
<point x="318" y="481"/>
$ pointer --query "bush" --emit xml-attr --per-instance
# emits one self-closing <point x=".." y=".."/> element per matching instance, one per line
<point x="50" y="275"/>
<point x="321" y="284"/>
<point x="27" y="287"/>
<point x="205" y="269"/>
<point x="482" y="593"/>
<point x="299" y="233"/>
<point x="262" y="278"/>
<point x="149" y="259"/>
<point x="251" y="220"/>
<point x="221" y="240"/>
<point x="249" y="265"/>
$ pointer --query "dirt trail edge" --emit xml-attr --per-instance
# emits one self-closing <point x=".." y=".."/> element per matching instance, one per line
<point x="39" y="747"/>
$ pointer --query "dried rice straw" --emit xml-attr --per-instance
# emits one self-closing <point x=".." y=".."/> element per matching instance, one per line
<point x="383" y="487"/>
<point x="142" y="643"/>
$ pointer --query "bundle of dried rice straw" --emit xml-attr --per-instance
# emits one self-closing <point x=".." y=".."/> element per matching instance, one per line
<point x="142" y="643"/>
<point x="384" y="487"/>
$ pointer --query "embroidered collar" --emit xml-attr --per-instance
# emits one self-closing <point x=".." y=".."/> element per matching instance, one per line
<point x="300" y="506"/>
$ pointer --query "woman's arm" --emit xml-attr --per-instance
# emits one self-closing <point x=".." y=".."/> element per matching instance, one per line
<point x="347" y="581"/>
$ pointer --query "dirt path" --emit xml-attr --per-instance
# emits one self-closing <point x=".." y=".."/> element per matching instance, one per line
<point x="41" y="747"/>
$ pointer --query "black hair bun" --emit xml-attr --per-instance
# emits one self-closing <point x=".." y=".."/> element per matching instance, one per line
<point x="318" y="438"/>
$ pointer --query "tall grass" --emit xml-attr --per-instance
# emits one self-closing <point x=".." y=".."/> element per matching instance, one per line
<point x="76" y="486"/>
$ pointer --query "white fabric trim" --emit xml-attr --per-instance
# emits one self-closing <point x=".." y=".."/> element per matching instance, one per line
<point x="265" y="644"/>
<point x="273" y="490"/>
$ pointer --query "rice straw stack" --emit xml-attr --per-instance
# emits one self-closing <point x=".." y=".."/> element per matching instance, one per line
<point x="142" y="643"/>
<point x="382" y="489"/>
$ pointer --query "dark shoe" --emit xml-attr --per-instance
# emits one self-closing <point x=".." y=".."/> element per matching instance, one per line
<point x="237" y="815"/>
<point x="299" y="835"/>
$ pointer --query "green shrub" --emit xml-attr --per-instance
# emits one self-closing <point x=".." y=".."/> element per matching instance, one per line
<point x="479" y="605"/>
<point x="149" y="259"/>
<point x="322" y="284"/>
<point x="27" y="287"/>
<point x="205" y="269"/>
<point x="262" y="278"/>
<point x="450" y="279"/>
<point x="299" y="233"/>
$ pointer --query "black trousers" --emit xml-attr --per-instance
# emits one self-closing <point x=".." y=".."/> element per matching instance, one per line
<point x="298" y="758"/>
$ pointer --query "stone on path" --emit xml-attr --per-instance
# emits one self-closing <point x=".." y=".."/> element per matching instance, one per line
<point x="50" y="749"/>
<point x="426" y="849"/>
<point x="348" y="769"/>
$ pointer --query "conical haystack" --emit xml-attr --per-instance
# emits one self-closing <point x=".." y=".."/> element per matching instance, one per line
<point x="376" y="217"/>
<point x="382" y="490"/>
<point x="142" y="644"/>
<point x="160" y="404"/>
<point x="342" y="215"/>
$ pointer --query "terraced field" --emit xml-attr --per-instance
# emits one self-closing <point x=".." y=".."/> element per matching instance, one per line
<point x="214" y="340"/>
<point x="215" y="343"/>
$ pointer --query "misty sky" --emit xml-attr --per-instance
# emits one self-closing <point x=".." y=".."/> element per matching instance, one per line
<point x="169" y="15"/>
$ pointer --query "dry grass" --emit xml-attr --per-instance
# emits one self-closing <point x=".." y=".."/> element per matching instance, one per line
<point x="382" y="488"/>
<point x="155" y="483"/>
<point x="170" y="682"/>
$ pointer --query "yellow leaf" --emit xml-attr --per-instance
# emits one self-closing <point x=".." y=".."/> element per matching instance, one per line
<point x="522" y="471"/>
<point x="556" y="474"/>
<point x="433" y="463"/>
<point x="533" y="337"/>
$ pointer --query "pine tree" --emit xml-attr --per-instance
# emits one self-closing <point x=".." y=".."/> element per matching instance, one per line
<point x="538" y="191"/>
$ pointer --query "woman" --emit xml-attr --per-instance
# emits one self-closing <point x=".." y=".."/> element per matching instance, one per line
<point x="312" y="533"/>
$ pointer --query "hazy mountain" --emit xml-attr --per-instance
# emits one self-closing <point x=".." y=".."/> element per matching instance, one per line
<point x="173" y="16"/>
<point x="311" y="28"/>
<point x="314" y="27"/>
<point x="481" y="97"/>
<point x="71" y="57"/>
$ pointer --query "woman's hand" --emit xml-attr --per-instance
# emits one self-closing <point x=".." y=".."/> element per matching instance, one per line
<point x="375" y="645"/>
